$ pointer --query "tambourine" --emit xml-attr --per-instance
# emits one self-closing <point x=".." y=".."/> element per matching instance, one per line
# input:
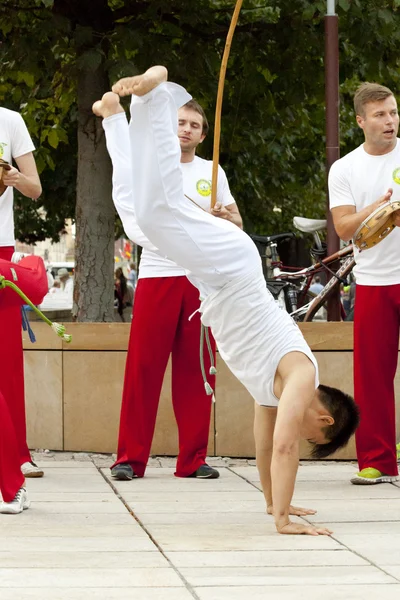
<point x="4" y="166"/>
<point x="377" y="226"/>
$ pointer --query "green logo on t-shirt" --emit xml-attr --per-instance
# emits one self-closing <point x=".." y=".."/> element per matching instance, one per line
<point x="2" y="146"/>
<point x="396" y="175"/>
<point x="203" y="187"/>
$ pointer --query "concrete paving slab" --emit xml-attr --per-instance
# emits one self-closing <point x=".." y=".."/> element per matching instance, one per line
<point x="186" y="507"/>
<point x="37" y="496"/>
<point x="96" y="593"/>
<point x="273" y="558"/>
<point x="364" y="528"/>
<point x="37" y="520"/>
<point x="206" y="519"/>
<point x="381" y="549"/>
<point x="307" y="472"/>
<point x="181" y="485"/>
<point x="303" y="592"/>
<point x="83" y="560"/>
<point x="342" y="490"/>
<point x="392" y="570"/>
<point x="183" y="539"/>
<point x="57" y="483"/>
<point x="248" y="576"/>
<point x="204" y="496"/>
<point x="88" y="541"/>
<point x="85" y="469"/>
<point x="349" y="510"/>
<point x="66" y="464"/>
<point x="81" y="578"/>
<point x="111" y="506"/>
<point x="216" y="536"/>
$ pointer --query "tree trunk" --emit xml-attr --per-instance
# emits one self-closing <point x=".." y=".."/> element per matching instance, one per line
<point x="95" y="215"/>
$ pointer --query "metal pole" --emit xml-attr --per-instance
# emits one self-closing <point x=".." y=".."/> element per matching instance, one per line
<point x="332" y="128"/>
<point x="330" y="8"/>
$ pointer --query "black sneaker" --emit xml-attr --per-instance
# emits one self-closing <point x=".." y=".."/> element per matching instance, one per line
<point x="205" y="472"/>
<point x="123" y="472"/>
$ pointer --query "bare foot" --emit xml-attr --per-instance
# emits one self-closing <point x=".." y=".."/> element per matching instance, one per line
<point x="141" y="84"/>
<point x="107" y="106"/>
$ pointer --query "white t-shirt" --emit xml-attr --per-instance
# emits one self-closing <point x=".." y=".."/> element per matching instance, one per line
<point x="15" y="141"/>
<point x="359" y="179"/>
<point x="253" y="334"/>
<point x="197" y="176"/>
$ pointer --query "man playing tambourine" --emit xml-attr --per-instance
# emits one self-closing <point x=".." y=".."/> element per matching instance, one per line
<point x="363" y="181"/>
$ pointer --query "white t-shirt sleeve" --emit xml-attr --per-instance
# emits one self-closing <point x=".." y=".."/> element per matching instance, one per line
<point x="340" y="193"/>
<point x="21" y="142"/>
<point x="224" y="195"/>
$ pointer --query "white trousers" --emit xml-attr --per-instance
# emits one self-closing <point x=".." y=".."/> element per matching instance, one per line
<point x="251" y="331"/>
<point x="118" y="146"/>
<point x="213" y="250"/>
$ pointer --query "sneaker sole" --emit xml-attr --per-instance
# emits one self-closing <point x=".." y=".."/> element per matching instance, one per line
<point x="25" y="506"/>
<point x="33" y="475"/>
<point x="122" y="476"/>
<point x="212" y="476"/>
<point x="11" y="512"/>
<point x="366" y="481"/>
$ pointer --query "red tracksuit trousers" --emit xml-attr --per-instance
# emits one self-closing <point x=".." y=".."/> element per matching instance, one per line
<point x="161" y="326"/>
<point x="12" y="365"/>
<point x="30" y="276"/>
<point x="11" y="478"/>
<point x="376" y="343"/>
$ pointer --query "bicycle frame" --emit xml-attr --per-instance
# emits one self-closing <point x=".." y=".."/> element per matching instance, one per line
<point x="307" y="273"/>
<point x="290" y="285"/>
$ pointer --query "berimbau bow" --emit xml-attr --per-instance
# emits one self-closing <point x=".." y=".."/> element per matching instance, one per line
<point x="218" y="109"/>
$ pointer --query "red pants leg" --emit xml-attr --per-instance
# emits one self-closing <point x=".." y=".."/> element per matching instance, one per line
<point x="156" y="311"/>
<point x="11" y="478"/>
<point x="376" y="339"/>
<point x="30" y="276"/>
<point x="192" y="406"/>
<point x="12" y="365"/>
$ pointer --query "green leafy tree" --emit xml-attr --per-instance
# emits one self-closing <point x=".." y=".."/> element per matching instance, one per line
<point x="59" y="57"/>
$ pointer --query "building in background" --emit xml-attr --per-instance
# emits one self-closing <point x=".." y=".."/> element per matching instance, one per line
<point x="60" y="252"/>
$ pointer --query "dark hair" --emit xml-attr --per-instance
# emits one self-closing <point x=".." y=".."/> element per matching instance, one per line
<point x="369" y="92"/>
<point x="194" y="105"/>
<point x="346" y="415"/>
<point x="122" y="281"/>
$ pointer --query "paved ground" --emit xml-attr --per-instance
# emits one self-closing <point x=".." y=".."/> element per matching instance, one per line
<point x="161" y="538"/>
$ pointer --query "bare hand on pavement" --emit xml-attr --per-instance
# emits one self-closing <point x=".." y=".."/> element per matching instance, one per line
<point x="300" y="529"/>
<point x="294" y="510"/>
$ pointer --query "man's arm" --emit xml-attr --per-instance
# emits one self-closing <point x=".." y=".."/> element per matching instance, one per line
<point x="264" y="424"/>
<point x="346" y="220"/>
<point x="229" y="212"/>
<point x="298" y="392"/>
<point x="25" y="179"/>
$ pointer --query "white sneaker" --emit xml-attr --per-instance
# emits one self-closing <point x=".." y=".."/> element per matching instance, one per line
<point x="29" y="469"/>
<point x="21" y="502"/>
<point x="16" y="257"/>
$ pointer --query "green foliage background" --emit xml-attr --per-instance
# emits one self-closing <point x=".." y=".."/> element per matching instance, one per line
<point x="272" y="145"/>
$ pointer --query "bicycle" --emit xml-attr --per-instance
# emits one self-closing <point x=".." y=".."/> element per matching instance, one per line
<point x="290" y="285"/>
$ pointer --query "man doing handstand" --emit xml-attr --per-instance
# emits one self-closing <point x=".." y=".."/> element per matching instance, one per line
<point x="260" y="343"/>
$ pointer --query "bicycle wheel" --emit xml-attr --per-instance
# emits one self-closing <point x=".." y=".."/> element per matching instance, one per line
<point x="328" y="290"/>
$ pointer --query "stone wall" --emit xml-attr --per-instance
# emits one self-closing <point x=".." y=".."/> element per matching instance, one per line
<point x="73" y="391"/>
